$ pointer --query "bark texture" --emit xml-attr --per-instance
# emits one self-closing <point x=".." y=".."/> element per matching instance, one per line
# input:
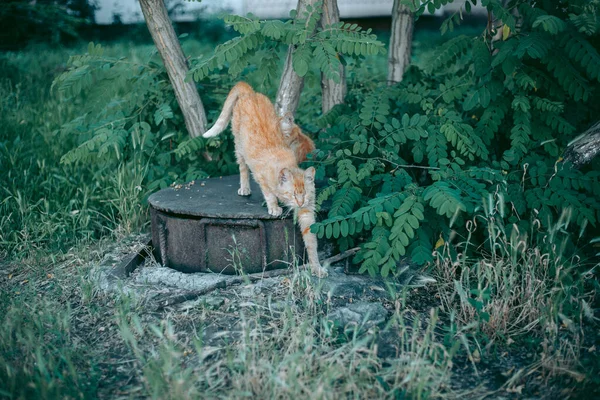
<point x="403" y="21"/>
<point x="169" y="48"/>
<point x="291" y="83"/>
<point x="583" y="149"/>
<point x="332" y="93"/>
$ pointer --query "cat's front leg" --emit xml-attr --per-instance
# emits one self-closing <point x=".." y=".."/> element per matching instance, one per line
<point x="306" y="217"/>
<point x="318" y="270"/>
<point x="272" y="204"/>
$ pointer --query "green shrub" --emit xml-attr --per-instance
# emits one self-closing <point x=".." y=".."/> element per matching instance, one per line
<point x="410" y="164"/>
<point x="131" y="115"/>
<point x="42" y="20"/>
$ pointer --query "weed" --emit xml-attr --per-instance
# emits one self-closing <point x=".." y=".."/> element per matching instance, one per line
<point x="520" y="287"/>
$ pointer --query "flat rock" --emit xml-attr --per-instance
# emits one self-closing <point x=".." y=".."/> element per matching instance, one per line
<point x="353" y="286"/>
<point x="161" y="276"/>
<point x="360" y="313"/>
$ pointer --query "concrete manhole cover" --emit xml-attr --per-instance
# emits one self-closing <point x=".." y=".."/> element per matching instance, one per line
<point x="205" y="226"/>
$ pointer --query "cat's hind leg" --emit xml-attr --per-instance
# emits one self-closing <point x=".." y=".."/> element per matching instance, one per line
<point x="244" y="189"/>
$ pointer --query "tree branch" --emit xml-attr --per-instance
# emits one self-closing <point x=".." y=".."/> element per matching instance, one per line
<point x="332" y="93"/>
<point x="291" y="84"/>
<point x="403" y="22"/>
<point x="585" y="147"/>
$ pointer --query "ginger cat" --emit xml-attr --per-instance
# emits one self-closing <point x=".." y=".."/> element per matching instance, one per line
<point x="260" y="147"/>
<point x="300" y="144"/>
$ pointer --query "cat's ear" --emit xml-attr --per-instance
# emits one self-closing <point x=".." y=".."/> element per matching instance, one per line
<point x="285" y="175"/>
<point x="309" y="174"/>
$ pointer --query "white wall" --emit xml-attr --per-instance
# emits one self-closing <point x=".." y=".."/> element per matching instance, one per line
<point x="131" y="12"/>
<point x="130" y="9"/>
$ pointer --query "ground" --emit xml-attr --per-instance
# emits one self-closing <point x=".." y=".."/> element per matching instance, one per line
<point x="288" y="335"/>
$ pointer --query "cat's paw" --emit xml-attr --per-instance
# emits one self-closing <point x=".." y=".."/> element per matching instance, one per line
<point x="244" y="191"/>
<point x="318" y="271"/>
<point x="275" y="211"/>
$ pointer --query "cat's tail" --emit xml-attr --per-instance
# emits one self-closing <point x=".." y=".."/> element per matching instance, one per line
<point x="239" y="89"/>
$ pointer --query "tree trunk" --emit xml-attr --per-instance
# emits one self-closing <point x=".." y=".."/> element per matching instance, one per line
<point x="332" y="93"/>
<point x="403" y="22"/>
<point x="291" y="84"/>
<point x="169" y="48"/>
<point x="583" y="149"/>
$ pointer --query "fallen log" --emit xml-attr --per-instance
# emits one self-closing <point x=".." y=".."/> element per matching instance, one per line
<point x="584" y="148"/>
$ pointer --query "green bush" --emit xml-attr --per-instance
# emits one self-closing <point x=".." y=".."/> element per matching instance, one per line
<point x="410" y="164"/>
<point x="53" y="21"/>
<point x="131" y="115"/>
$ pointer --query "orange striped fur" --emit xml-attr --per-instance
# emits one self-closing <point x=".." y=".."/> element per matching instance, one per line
<point x="262" y="148"/>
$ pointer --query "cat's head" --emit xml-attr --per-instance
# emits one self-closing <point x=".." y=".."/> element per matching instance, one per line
<point x="297" y="187"/>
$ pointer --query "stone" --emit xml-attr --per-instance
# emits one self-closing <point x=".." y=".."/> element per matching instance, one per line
<point x="160" y="276"/>
<point x="339" y="284"/>
<point x="265" y="286"/>
<point x="280" y="306"/>
<point x="209" y="302"/>
<point x="214" y="302"/>
<point x="363" y="314"/>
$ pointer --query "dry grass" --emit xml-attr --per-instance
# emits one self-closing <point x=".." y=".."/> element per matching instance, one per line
<point x="520" y="288"/>
<point x="288" y="352"/>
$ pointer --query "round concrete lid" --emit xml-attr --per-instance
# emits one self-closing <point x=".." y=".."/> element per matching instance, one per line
<point x="213" y="197"/>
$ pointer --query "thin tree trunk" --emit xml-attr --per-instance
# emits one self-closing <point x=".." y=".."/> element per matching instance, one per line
<point x="403" y="21"/>
<point x="332" y="93"/>
<point x="169" y="48"/>
<point x="291" y="84"/>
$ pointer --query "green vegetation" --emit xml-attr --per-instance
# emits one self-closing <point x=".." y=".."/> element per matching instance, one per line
<point x="24" y="21"/>
<point x="412" y="163"/>
<point x="457" y="168"/>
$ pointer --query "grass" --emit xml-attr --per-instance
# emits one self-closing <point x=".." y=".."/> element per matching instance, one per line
<point x="46" y="206"/>
<point x="62" y="338"/>
<point x="270" y="352"/>
<point x="522" y="294"/>
<point x="281" y="353"/>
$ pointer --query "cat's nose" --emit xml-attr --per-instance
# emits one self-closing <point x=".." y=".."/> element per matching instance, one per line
<point x="300" y="201"/>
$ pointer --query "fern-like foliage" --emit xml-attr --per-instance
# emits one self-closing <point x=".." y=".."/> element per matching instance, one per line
<point x="132" y="117"/>
<point x="314" y="45"/>
<point x="485" y="119"/>
<point x="477" y="132"/>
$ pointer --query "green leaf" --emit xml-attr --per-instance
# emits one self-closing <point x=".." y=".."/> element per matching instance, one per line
<point x="444" y="199"/>
<point x="550" y="24"/>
